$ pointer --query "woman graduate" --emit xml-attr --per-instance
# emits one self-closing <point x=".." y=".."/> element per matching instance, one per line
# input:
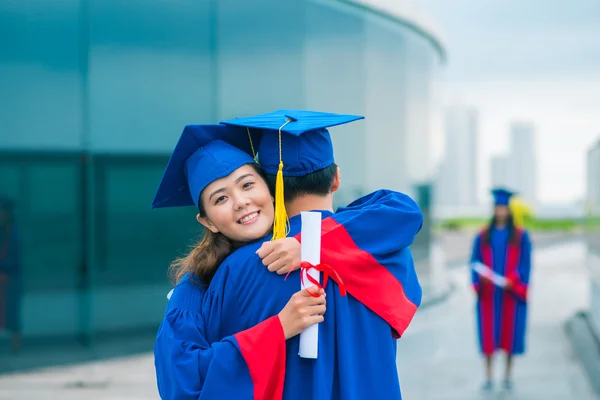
<point x="502" y="301"/>
<point x="229" y="190"/>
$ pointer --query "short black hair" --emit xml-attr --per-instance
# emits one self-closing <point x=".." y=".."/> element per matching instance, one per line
<point x="318" y="183"/>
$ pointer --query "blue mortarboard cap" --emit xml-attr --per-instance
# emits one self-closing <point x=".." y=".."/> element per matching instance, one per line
<point x="203" y="154"/>
<point x="306" y="146"/>
<point x="502" y="196"/>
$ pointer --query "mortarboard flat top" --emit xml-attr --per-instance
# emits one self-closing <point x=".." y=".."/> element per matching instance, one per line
<point x="301" y="121"/>
<point x="502" y="196"/>
<point x="203" y="154"/>
<point x="305" y="148"/>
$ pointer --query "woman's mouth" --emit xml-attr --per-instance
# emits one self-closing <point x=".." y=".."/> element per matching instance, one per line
<point x="248" y="218"/>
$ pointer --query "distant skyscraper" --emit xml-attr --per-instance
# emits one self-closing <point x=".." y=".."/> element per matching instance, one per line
<point x="457" y="185"/>
<point x="523" y="160"/>
<point x="593" y="179"/>
<point x="502" y="174"/>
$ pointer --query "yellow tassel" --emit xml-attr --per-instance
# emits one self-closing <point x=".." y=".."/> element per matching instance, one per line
<point x="520" y="211"/>
<point x="281" y="224"/>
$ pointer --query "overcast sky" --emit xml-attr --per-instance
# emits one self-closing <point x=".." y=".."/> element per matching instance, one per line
<point x="534" y="60"/>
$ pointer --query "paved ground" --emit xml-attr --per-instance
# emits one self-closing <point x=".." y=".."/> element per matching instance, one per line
<point x="437" y="357"/>
<point x="129" y="378"/>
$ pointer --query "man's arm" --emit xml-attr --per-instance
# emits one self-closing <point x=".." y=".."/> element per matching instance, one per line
<point x="367" y="244"/>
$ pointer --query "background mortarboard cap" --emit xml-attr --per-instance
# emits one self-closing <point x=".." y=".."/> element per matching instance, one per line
<point x="305" y="148"/>
<point x="203" y="154"/>
<point x="502" y="196"/>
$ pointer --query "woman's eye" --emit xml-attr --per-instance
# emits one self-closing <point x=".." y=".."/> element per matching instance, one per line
<point x="220" y="199"/>
<point x="247" y="185"/>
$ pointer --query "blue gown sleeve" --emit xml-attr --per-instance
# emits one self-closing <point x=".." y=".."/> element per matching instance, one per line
<point x="525" y="261"/>
<point x="521" y="282"/>
<point x="260" y="351"/>
<point x="367" y="244"/>
<point x="189" y="366"/>
<point x="383" y="214"/>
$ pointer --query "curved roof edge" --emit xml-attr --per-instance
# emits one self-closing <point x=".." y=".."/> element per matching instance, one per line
<point x="405" y="14"/>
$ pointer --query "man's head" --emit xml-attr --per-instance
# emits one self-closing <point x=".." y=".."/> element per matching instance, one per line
<point x="319" y="183"/>
<point x="296" y="152"/>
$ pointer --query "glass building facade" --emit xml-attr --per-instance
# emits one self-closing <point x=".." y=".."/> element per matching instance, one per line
<point x="95" y="94"/>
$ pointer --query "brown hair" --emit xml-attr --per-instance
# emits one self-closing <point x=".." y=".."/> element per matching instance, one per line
<point x="206" y="256"/>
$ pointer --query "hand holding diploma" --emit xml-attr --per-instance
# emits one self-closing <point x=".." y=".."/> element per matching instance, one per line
<point x="486" y="273"/>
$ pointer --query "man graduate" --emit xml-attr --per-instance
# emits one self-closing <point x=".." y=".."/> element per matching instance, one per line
<point x="502" y="304"/>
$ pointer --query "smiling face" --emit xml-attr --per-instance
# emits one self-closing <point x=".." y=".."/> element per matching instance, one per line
<point x="239" y="205"/>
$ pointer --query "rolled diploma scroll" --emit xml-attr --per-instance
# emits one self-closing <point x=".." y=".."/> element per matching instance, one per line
<point x="310" y="251"/>
<point x="486" y="271"/>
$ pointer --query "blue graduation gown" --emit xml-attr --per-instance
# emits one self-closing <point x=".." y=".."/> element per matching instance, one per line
<point x="502" y="314"/>
<point x="239" y="315"/>
<point x="184" y="360"/>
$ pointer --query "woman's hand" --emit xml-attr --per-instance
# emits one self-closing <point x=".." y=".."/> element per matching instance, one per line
<point x="281" y="255"/>
<point x="302" y="311"/>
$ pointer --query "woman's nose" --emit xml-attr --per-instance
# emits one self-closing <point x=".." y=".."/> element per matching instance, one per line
<point x="241" y="202"/>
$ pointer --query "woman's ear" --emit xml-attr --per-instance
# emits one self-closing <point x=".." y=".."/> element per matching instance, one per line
<point x="207" y="224"/>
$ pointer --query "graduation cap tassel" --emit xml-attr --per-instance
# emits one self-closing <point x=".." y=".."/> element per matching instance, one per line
<point x="281" y="224"/>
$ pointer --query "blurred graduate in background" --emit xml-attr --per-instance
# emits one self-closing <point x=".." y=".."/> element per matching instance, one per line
<point x="504" y="248"/>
